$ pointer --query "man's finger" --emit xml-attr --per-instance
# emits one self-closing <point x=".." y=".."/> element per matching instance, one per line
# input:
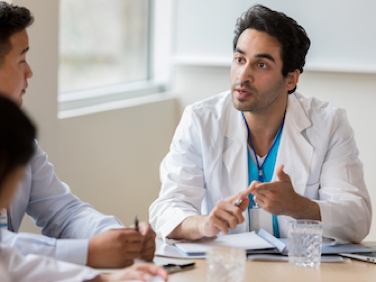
<point x="219" y="224"/>
<point x="244" y="204"/>
<point x="238" y="198"/>
<point x="253" y="185"/>
<point x="282" y="176"/>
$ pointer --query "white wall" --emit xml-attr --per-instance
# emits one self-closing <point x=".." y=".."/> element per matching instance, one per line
<point x="111" y="159"/>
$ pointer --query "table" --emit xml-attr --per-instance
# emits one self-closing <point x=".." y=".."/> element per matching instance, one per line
<point x="356" y="271"/>
<point x="352" y="271"/>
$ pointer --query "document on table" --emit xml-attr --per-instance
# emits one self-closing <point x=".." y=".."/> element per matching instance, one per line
<point x="249" y="241"/>
<point x="333" y="249"/>
<point x="261" y="243"/>
<point x="278" y="257"/>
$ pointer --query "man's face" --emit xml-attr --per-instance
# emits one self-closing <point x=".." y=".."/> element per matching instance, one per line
<point x="15" y="71"/>
<point x="256" y="77"/>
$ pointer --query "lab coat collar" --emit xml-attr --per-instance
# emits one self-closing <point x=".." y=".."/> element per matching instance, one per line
<point x="294" y="148"/>
<point x="234" y="154"/>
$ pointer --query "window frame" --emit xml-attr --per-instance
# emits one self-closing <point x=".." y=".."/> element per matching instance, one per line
<point x="158" y="66"/>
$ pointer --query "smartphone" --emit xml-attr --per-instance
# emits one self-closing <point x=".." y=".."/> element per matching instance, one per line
<point x="172" y="268"/>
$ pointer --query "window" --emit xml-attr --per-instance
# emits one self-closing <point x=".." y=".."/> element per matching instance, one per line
<point x="103" y="43"/>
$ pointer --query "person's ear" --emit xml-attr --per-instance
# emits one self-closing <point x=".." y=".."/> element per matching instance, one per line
<point x="292" y="79"/>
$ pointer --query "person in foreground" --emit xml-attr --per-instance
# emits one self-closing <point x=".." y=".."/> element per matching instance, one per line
<point x="262" y="154"/>
<point x="73" y="231"/>
<point x="16" y="149"/>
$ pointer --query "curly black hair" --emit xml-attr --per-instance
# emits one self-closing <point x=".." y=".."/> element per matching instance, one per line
<point x="13" y="19"/>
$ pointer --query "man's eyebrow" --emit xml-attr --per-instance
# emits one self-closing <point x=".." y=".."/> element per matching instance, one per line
<point x="238" y="50"/>
<point x="25" y="50"/>
<point x="266" y="56"/>
<point x="262" y="55"/>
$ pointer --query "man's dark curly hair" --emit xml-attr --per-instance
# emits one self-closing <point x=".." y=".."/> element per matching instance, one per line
<point x="13" y="19"/>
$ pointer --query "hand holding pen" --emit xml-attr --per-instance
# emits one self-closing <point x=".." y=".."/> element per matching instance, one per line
<point x="148" y="244"/>
<point x="136" y="223"/>
<point x="114" y="248"/>
<point x="226" y="214"/>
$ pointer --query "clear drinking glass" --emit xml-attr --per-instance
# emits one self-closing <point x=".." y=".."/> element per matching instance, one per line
<point x="305" y="238"/>
<point x="225" y="265"/>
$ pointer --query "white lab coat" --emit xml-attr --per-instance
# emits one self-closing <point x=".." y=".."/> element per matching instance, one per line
<point x="207" y="162"/>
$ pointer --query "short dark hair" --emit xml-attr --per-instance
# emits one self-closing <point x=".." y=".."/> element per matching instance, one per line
<point x="13" y="19"/>
<point x="293" y="38"/>
<point x="17" y="134"/>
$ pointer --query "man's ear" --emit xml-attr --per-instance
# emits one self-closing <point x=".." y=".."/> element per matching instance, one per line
<point x="292" y="79"/>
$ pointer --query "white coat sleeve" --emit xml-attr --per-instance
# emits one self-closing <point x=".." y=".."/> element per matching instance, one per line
<point x="60" y="214"/>
<point x="39" y="268"/>
<point x="344" y="200"/>
<point x="182" y="178"/>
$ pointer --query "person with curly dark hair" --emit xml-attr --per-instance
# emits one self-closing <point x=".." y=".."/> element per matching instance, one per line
<point x="262" y="154"/>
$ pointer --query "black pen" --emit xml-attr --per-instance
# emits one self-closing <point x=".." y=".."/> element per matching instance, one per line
<point x="172" y="268"/>
<point x="136" y="223"/>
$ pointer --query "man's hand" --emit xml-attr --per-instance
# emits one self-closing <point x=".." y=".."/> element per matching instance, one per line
<point x="224" y="216"/>
<point x="139" y="272"/>
<point x="148" y="243"/>
<point x="280" y="198"/>
<point x="114" y="248"/>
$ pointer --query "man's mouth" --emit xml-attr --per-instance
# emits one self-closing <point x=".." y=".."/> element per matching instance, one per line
<point x="242" y="93"/>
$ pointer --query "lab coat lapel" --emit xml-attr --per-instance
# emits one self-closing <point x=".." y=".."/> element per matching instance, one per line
<point x="294" y="148"/>
<point x="234" y="154"/>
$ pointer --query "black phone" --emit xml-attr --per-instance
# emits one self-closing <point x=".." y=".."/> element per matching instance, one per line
<point x="172" y="268"/>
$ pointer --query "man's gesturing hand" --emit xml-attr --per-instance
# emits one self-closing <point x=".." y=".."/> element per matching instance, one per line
<point x="280" y="198"/>
<point x="225" y="215"/>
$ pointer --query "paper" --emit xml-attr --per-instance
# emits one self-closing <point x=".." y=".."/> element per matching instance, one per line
<point x="277" y="257"/>
<point x="169" y="251"/>
<point x="249" y="241"/>
<point x="333" y="249"/>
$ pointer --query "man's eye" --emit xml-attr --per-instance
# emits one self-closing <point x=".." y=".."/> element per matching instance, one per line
<point x="238" y="59"/>
<point x="262" y="65"/>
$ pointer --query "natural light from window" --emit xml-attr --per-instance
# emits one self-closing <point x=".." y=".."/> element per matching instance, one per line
<point x="102" y="43"/>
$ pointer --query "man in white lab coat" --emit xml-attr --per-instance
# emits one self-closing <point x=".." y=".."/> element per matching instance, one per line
<point x="262" y="154"/>
<point x="74" y="231"/>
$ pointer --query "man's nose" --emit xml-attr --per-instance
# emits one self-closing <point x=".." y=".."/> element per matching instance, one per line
<point x="29" y="72"/>
<point x="246" y="74"/>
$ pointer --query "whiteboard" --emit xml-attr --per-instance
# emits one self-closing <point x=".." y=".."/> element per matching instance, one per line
<point x="342" y="32"/>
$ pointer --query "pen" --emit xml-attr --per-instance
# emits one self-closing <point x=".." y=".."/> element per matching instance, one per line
<point x="136" y="223"/>
<point x="172" y="268"/>
<point x="237" y="203"/>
